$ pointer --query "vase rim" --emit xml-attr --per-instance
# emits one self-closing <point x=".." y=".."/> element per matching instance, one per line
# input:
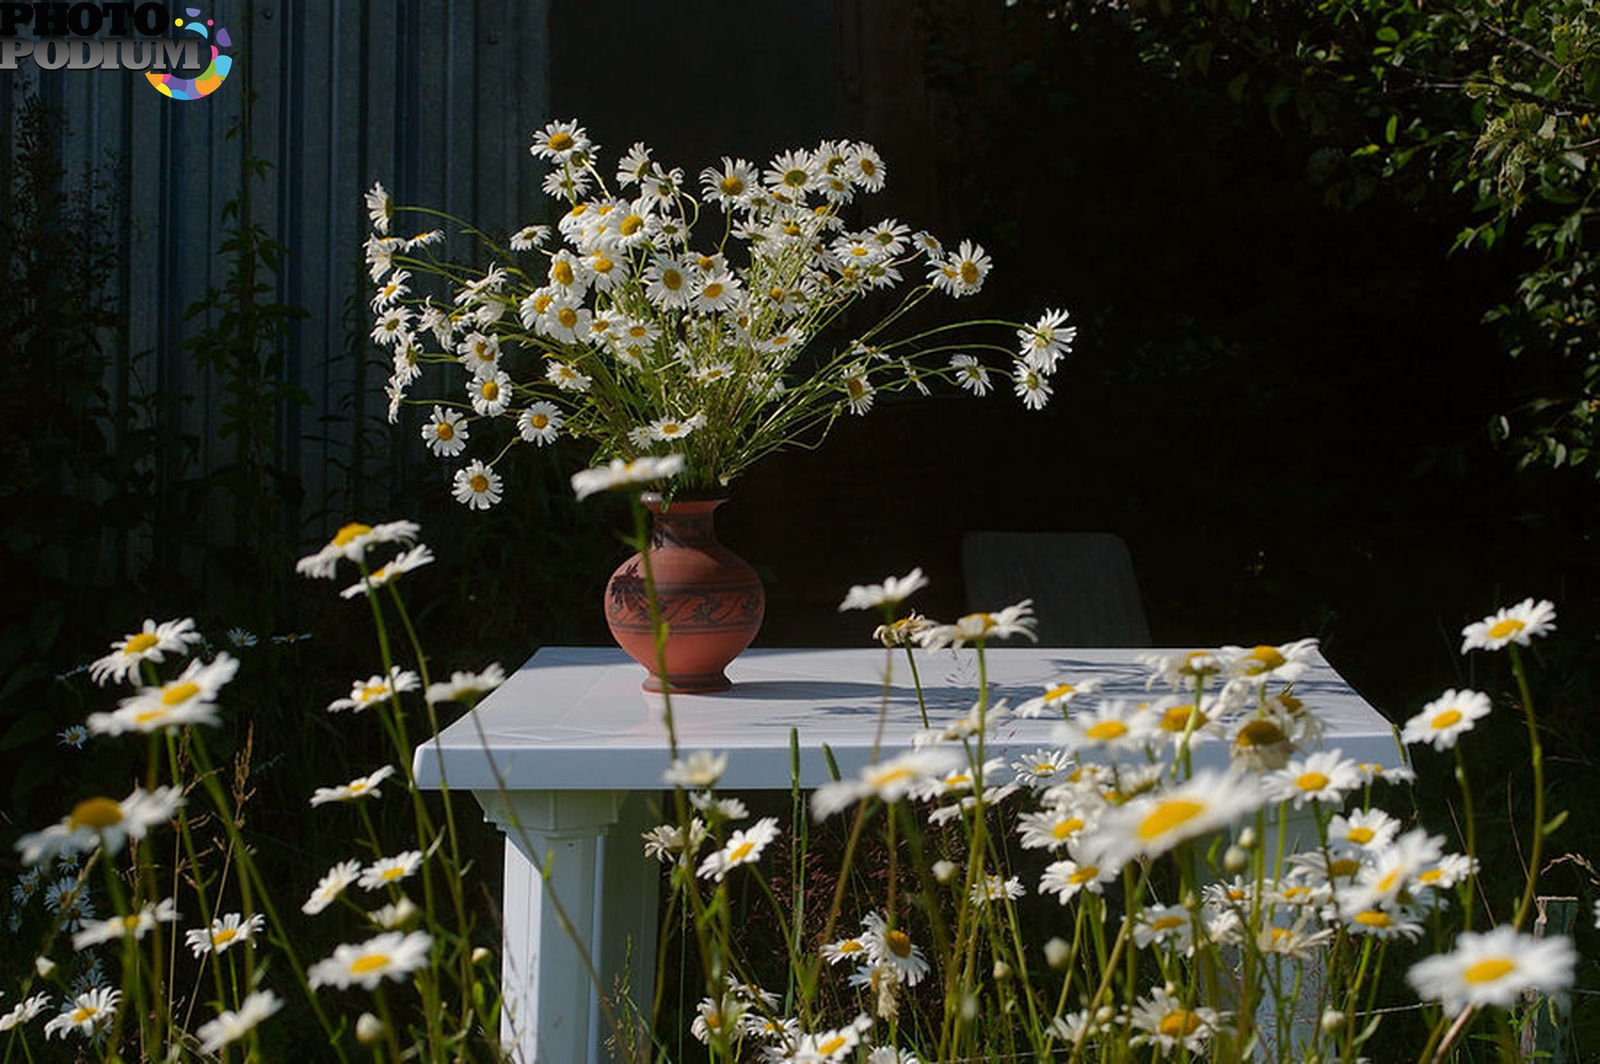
<point x="654" y="501"/>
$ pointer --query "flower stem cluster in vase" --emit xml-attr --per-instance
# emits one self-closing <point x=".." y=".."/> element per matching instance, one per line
<point x="665" y="315"/>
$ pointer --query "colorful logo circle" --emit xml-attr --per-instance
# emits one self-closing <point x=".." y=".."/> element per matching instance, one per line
<point x="211" y="78"/>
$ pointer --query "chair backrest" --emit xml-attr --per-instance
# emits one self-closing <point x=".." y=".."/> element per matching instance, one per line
<point x="1082" y="584"/>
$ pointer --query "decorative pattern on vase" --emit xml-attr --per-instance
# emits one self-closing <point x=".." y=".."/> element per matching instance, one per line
<point x="710" y="598"/>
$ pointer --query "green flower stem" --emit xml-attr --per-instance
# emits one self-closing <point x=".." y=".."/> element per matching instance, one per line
<point x="1118" y="947"/>
<point x="1536" y="754"/>
<point x="916" y="682"/>
<point x="1472" y="836"/>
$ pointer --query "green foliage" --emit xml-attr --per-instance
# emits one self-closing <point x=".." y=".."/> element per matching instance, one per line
<point x="1482" y="107"/>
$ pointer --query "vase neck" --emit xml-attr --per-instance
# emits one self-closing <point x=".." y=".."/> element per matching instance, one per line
<point x="683" y="523"/>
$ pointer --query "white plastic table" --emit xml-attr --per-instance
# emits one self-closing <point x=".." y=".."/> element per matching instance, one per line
<point x="563" y="755"/>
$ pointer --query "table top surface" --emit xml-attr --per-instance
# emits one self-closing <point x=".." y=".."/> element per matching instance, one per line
<point x="576" y="718"/>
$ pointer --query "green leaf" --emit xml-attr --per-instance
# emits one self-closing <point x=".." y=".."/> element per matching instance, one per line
<point x="833" y="766"/>
<point x="1555" y="822"/>
<point x="1388" y="35"/>
<point x="1391" y="128"/>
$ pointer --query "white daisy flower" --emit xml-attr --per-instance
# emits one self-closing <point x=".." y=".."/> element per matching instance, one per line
<point x="229" y="1027"/>
<point x="893" y="591"/>
<point x="1115" y="724"/>
<point x="700" y="769"/>
<point x="391" y="327"/>
<point x="87" y="1014"/>
<point x="1514" y="624"/>
<point x="396" y="914"/>
<point x="865" y="167"/>
<point x="387" y="870"/>
<point x="994" y="887"/>
<point x="392" y="955"/>
<point x="567" y="184"/>
<point x="622" y="474"/>
<point x="1052" y="829"/>
<point x="1030" y="386"/>
<point x="1152" y="824"/>
<point x="667" y="283"/>
<point x="1446" y="718"/>
<point x="1383" y="923"/>
<point x="380" y="208"/>
<point x="391" y="291"/>
<point x="890" y="781"/>
<point x="102" y="821"/>
<point x="350" y="543"/>
<point x="136" y="924"/>
<point x="792" y="174"/>
<point x="716" y="290"/>
<point x="380" y="255"/>
<point x="1259" y="664"/>
<point x="361" y="787"/>
<point x="665" y="842"/>
<point x="1082" y="871"/>
<point x="963" y="273"/>
<point x="151" y="643"/>
<point x="540" y="423"/>
<point x="24" y="1012"/>
<point x="479" y="353"/>
<point x="735" y="184"/>
<point x="1366" y="829"/>
<point x="567" y="378"/>
<point x="971" y="374"/>
<point x="1163" y="1020"/>
<point x="375" y="689"/>
<point x="190" y="699"/>
<point x="1044" y="342"/>
<point x="404" y="562"/>
<point x="529" y="237"/>
<point x="858" y="390"/>
<point x="666" y="429"/>
<point x="331" y="885"/>
<point x="490" y="396"/>
<point x="561" y="142"/>
<point x="742" y="847"/>
<point x="73" y="736"/>
<point x="225" y="932"/>
<point x="981" y="627"/>
<point x="464" y="685"/>
<point x="477" y="486"/>
<point x="1325" y="776"/>
<point x="635" y="165"/>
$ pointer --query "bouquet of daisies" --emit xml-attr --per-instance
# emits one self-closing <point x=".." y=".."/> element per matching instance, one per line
<point x="630" y="327"/>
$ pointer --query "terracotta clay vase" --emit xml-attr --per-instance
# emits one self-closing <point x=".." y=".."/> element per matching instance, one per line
<point x="710" y="598"/>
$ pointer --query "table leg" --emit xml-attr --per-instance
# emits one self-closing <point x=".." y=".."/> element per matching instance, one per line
<point x="579" y="914"/>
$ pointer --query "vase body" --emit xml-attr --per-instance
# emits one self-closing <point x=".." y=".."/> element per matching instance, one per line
<point x="710" y="599"/>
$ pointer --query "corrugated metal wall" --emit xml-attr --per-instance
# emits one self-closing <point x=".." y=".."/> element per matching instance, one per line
<point x="435" y="99"/>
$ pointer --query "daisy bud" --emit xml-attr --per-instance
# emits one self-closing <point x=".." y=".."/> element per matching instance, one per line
<point x="1057" y="953"/>
<point x="1247" y="838"/>
<point x="943" y="871"/>
<point x="369" y="1029"/>
<point x="1002" y="971"/>
<point x="481" y="954"/>
<point x="1105" y="1014"/>
<point x="44" y="966"/>
<point x="969" y="1007"/>
<point x="1332" y="1020"/>
<point x="1235" y="859"/>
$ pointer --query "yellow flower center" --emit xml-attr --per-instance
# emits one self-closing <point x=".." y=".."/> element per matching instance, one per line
<point x="561" y="272"/>
<point x="1176" y="719"/>
<point x="867" y="166"/>
<point x="1168" y="816"/>
<point x="538" y="421"/>
<point x="223" y="937"/>
<point x="479" y="483"/>
<point x="795" y="178"/>
<point x="1295" y="893"/>
<point x="899" y="943"/>
<point x="671" y="279"/>
<point x="1065" y="829"/>
<point x="359" y="787"/>
<point x="630" y="225"/>
<point x="1441" y="721"/>
<point x="150" y="716"/>
<point x="345" y="535"/>
<point x="850" y="946"/>
<point x="388" y="875"/>
<point x="732" y="185"/>
<point x="140" y="643"/>
<point x="969" y="272"/>
<point x="1360" y="836"/>
<point x="791" y="228"/>
<point x="490" y="390"/>
<point x="542" y="301"/>
<point x="444" y="430"/>
<point x="671" y="428"/>
<point x="1179" y="1023"/>
<point x="567" y="317"/>
<point x="1198" y="663"/>
<point x="1311" y="781"/>
<point x="1344" y="866"/>
<point x="372" y="962"/>
<point x="601" y="263"/>
<point x="712" y="291"/>
<point x="1489" y="969"/>
<point x="1259" y="733"/>
<point x="95" y="813"/>
<point x="1082" y="875"/>
<point x="857" y="387"/>
<point x="1387" y="883"/>
<point x="883" y="779"/>
<point x="1263" y="659"/>
<point x="1432" y="875"/>
<point x="1107" y="730"/>
<point x="1060" y="690"/>
<point x="84" y="1013"/>
<point x="371" y="691"/>
<point x="1506" y="629"/>
<point x="1167" y="923"/>
<point x="177" y="693"/>
<point x="832" y="1045"/>
<point x="1374" y="918"/>
<point x="740" y="852"/>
